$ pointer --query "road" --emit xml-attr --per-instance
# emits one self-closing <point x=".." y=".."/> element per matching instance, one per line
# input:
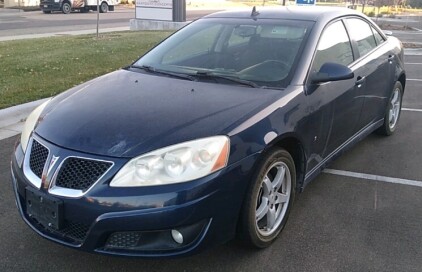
<point x="35" y="22"/>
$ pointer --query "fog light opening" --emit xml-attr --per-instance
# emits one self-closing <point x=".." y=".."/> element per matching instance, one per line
<point x="177" y="236"/>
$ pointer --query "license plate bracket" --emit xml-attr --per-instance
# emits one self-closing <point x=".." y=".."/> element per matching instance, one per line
<point x="47" y="210"/>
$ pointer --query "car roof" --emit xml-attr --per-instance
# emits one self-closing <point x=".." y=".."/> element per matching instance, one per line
<point x="308" y="13"/>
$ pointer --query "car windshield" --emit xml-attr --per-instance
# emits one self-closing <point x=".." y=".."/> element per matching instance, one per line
<point x="256" y="53"/>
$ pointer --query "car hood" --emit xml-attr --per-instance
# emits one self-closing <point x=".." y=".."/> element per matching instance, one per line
<point x="125" y="114"/>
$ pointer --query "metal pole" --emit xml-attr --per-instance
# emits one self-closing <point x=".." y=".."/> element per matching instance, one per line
<point x="98" y="16"/>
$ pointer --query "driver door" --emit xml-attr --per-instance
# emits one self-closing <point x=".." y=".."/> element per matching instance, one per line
<point x="342" y="99"/>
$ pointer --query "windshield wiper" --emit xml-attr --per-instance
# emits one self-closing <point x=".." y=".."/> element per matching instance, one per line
<point x="228" y="78"/>
<point x="153" y="70"/>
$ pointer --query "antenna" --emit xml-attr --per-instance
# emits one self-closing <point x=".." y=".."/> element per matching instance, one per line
<point x="254" y="12"/>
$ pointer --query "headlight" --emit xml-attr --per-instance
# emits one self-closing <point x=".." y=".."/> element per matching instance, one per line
<point x="174" y="164"/>
<point x="30" y="123"/>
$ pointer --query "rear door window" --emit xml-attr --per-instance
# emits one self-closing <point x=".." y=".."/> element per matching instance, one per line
<point x="361" y="32"/>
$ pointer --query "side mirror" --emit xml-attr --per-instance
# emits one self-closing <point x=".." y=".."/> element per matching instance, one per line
<point x="388" y="33"/>
<point x="332" y="72"/>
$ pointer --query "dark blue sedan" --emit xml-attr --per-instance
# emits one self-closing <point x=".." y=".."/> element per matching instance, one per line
<point x="209" y="135"/>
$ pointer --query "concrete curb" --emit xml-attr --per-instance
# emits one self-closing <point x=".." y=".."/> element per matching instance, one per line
<point x="13" y="118"/>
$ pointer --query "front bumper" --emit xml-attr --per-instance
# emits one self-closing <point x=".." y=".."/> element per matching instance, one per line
<point x="50" y="6"/>
<point x="212" y="204"/>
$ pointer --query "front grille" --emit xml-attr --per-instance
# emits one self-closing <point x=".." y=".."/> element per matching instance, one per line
<point x="74" y="232"/>
<point x="127" y="239"/>
<point x="81" y="174"/>
<point x="38" y="158"/>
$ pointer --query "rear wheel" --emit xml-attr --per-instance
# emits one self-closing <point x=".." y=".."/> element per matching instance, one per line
<point x="103" y="7"/>
<point x="66" y="8"/>
<point x="269" y="199"/>
<point x="393" y="111"/>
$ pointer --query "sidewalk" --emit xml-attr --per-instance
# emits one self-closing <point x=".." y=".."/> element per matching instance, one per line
<point x="9" y="10"/>
<point x="12" y="119"/>
<point x="63" y="33"/>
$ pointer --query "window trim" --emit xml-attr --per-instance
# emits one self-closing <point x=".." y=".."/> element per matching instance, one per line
<point x="339" y="19"/>
<point x="354" y="42"/>
<point x="383" y="38"/>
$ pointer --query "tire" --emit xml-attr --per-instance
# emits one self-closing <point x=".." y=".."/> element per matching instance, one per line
<point x="392" y="112"/>
<point x="46" y="11"/>
<point x="274" y="183"/>
<point x="66" y="8"/>
<point x="103" y="7"/>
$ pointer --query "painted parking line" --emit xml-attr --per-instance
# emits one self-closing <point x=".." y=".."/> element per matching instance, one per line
<point x="408" y="109"/>
<point x="413" y="79"/>
<point x="413" y="63"/>
<point x="408" y="182"/>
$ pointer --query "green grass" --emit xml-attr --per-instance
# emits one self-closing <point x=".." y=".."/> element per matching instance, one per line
<point x="38" y="68"/>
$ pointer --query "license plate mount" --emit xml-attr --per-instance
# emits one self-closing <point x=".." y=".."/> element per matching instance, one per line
<point x="47" y="210"/>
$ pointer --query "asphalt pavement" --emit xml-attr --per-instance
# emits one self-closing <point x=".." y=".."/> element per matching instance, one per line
<point x="339" y="223"/>
<point x="14" y="23"/>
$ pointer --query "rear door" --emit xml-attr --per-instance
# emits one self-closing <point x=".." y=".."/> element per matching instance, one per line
<point x="375" y="63"/>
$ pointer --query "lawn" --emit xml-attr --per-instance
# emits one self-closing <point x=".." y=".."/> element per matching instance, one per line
<point x="38" y="68"/>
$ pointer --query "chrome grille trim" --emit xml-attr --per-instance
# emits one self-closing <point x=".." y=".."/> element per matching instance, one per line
<point x="73" y="193"/>
<point x="31" y="176"/>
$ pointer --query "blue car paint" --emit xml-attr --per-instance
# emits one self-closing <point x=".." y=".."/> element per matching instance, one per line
<point x="121" y="115"/>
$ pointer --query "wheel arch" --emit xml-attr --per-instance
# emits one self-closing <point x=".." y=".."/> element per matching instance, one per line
<point x="65" y="1"/>
<point x="402" y="80"/>
<point x="294" y="146"/>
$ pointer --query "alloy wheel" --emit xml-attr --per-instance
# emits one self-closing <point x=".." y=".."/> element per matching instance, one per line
<point x="273" y="198"/>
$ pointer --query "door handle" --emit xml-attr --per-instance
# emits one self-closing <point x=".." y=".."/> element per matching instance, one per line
<point x="360" y="80"/>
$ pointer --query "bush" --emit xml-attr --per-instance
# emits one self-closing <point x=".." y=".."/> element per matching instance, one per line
<point x="370" y="14"/>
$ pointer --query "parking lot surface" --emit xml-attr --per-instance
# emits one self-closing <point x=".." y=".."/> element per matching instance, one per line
<point x="339" y="223"/>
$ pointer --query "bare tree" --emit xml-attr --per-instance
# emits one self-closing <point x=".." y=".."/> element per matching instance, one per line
<point x="380" y="3"/>
<point x="363" y="2"/>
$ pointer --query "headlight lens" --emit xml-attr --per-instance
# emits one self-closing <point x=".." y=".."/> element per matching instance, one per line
<point x="30" y="123"/>
<point x="174" y="164"/>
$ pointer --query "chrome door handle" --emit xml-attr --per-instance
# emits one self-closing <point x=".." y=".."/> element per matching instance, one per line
<point x="360" y="80"/>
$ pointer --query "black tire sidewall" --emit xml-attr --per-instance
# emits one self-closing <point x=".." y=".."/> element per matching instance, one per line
<point x="64" y="9"/>
<point x="248" y="229"/>
<point x="103" y="7"/>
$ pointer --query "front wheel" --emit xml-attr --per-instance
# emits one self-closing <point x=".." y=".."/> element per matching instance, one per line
<point x="66" y="8"/>
<point x="393" y="111"/>
<point x="269" y="199"/>
<point x="103" y="7"/>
